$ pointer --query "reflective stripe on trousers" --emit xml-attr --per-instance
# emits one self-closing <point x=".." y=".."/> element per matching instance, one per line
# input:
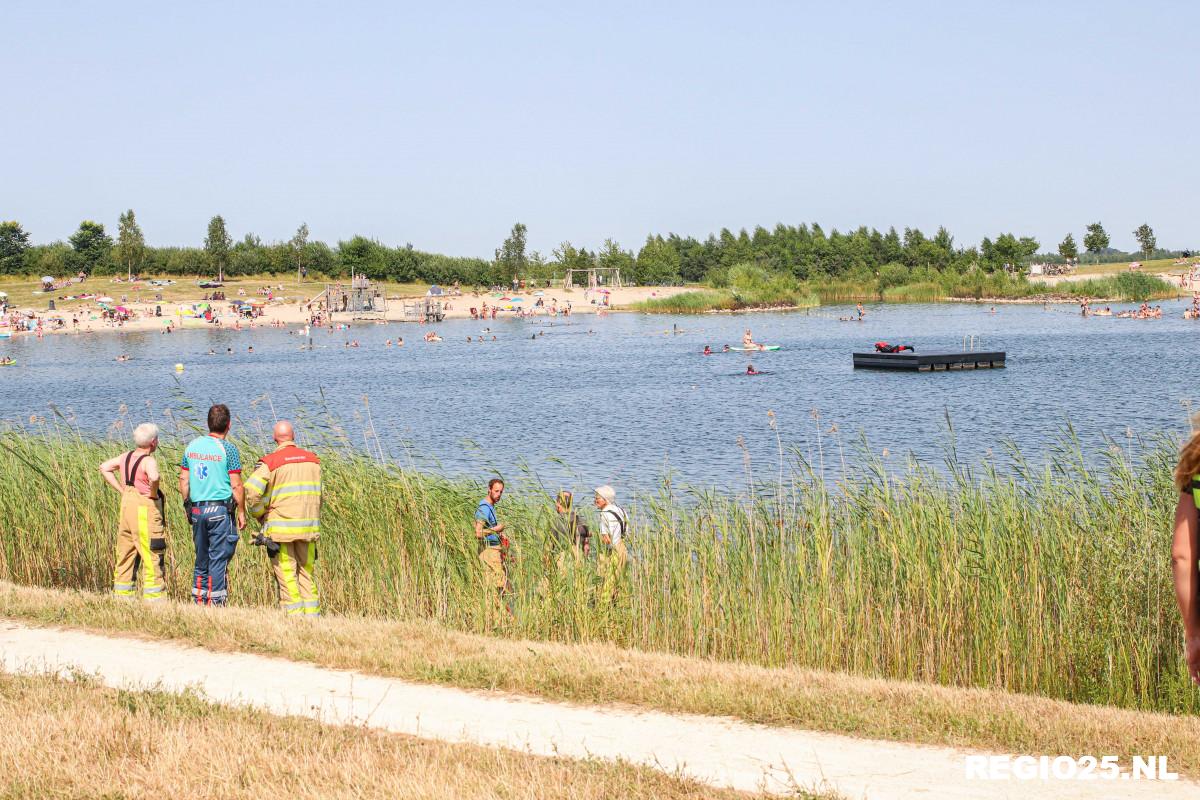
<point x="140" y="531"/>
<point x="295" y="575"/>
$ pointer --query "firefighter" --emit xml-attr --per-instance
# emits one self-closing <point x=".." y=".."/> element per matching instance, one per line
<point x="284" y="495"/>
<point x="141" y="535"/>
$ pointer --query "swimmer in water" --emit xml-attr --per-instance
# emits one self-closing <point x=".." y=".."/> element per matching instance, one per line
<point x="250" y="349"/>
<point x="228" y="351"/>
<point x="726" y="350"/>
<point x="750" y="370"/>
<point x="212" y="352"/>
<point x="707" y="350"/>
<point x="122" y="357"/>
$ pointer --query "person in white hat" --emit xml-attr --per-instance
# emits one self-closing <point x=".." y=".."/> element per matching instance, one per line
<point x="613" y="527"/>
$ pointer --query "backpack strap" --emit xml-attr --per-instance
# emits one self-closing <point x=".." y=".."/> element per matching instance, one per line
<point x="620" y="518"/>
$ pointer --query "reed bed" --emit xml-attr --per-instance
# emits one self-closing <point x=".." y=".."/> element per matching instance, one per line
<point x="702" y="300"/>
<point x="1051" y="580"/>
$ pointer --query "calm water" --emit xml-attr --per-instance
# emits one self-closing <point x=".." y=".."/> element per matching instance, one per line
<point x="628" y="404"/>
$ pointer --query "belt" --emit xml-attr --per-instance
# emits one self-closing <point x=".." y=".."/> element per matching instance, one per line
<point x="212" y="502"/>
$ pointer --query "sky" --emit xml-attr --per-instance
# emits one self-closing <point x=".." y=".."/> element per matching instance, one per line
<point x="442" y="124"/>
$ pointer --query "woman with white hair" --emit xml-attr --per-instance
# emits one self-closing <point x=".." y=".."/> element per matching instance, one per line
<point x="141" y="536"/>
<point x="613" y="526"/>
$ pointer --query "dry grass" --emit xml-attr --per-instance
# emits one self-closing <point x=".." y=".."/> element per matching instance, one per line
<point x="423" y="651"/>
<point x="76" y="739"/>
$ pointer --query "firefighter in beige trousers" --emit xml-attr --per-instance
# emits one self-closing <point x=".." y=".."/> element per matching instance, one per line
<point x="284" y="495"/>
<point x="141" y="535"/>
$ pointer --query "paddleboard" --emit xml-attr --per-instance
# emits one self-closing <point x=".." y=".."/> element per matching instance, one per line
<point x="756" y="349"/>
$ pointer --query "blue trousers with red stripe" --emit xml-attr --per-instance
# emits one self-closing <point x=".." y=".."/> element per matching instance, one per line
<point x="215" y="534"/>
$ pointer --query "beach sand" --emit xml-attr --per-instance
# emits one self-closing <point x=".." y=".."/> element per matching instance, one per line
<point x="290" y="310"/>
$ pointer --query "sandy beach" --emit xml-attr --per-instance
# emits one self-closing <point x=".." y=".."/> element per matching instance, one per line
<point x="291" y="310"/>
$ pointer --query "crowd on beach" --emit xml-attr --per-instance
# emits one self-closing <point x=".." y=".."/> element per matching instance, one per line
<point x="284" y="495"/>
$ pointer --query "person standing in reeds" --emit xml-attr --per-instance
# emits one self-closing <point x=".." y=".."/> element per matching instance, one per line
<point x="489" y="532"/>
<point x="284" y="495"/>
<point x="570" y="536"/>
<point x="210" y="481"/>
<point x="613" y="527"/>
<point x="1185" y="552"/>
<point x="141" y="534"/>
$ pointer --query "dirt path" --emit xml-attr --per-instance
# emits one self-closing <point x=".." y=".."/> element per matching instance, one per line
<point x="720" y="751"/>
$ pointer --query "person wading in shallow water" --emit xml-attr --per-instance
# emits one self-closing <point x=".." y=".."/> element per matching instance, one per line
<point x="1185" y="552"/>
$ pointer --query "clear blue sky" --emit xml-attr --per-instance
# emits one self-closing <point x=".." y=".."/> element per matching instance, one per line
<point x="443" y="123"/>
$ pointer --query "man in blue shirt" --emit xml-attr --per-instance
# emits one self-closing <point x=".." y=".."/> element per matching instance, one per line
<point x="210" y="481"/>
<point x="490" y="534"/>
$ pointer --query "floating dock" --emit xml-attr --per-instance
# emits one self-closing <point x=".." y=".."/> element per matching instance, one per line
<point x="929" y="362"/>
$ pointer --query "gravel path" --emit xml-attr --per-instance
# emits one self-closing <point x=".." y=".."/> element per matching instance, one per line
<point x="720" y="751"/>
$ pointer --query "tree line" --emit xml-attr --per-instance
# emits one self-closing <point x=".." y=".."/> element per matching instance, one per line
<point x="803" y="252"/>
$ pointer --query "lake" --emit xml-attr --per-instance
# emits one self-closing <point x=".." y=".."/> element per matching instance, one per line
<point x="617" y="399"/>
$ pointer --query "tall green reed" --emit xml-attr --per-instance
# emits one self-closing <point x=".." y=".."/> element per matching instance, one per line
<point x="1050" y="580"/>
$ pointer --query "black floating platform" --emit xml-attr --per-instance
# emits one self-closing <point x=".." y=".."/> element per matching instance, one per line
<point x="929" y="362"/>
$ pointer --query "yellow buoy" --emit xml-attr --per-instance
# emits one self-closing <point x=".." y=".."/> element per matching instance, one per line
<point x="179" y="367"/>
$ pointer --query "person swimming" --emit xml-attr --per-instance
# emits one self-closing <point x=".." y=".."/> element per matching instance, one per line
<point x="707" y="350"/>
<point x="726" y="349"/>
<point x="750" y="370"/>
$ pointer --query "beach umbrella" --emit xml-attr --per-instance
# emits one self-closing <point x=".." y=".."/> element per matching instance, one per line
<point x="518" y="299"/>
<point x="47" y="279"/>
<point x="104" y="300"/>
<point x="122" y="309"/>
<point x="3" y="294"/>
<point x="434" y="290"/>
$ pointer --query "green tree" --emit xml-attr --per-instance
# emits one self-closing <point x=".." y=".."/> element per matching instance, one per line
<point x="657" y="262"/>
<point x="14" y="242"/>
<point x="1067" y="249"/>
<point x="92" y="246"/>
<point x="1012" y="253"/>
<point x="298" y="244"/>
<point x="1095" y="241"/>
<point x="511" y="260"/>
<point x="131" y="244"/>
<point x="611" y="255"/>
<point x="216" y="246"/>
<point x="1145" y="236"/>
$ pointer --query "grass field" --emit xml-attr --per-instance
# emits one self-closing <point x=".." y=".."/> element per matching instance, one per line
<point x="1048" y="582"/>
<point x="74" y="738"/>
<point x="598" y="674"/>
<point x="1150" y="267"/>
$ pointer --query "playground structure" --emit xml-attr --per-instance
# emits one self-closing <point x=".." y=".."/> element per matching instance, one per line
<point x="597" y="278"/>
<point x="361" y="300"/>
<point x="428" y="309"/>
